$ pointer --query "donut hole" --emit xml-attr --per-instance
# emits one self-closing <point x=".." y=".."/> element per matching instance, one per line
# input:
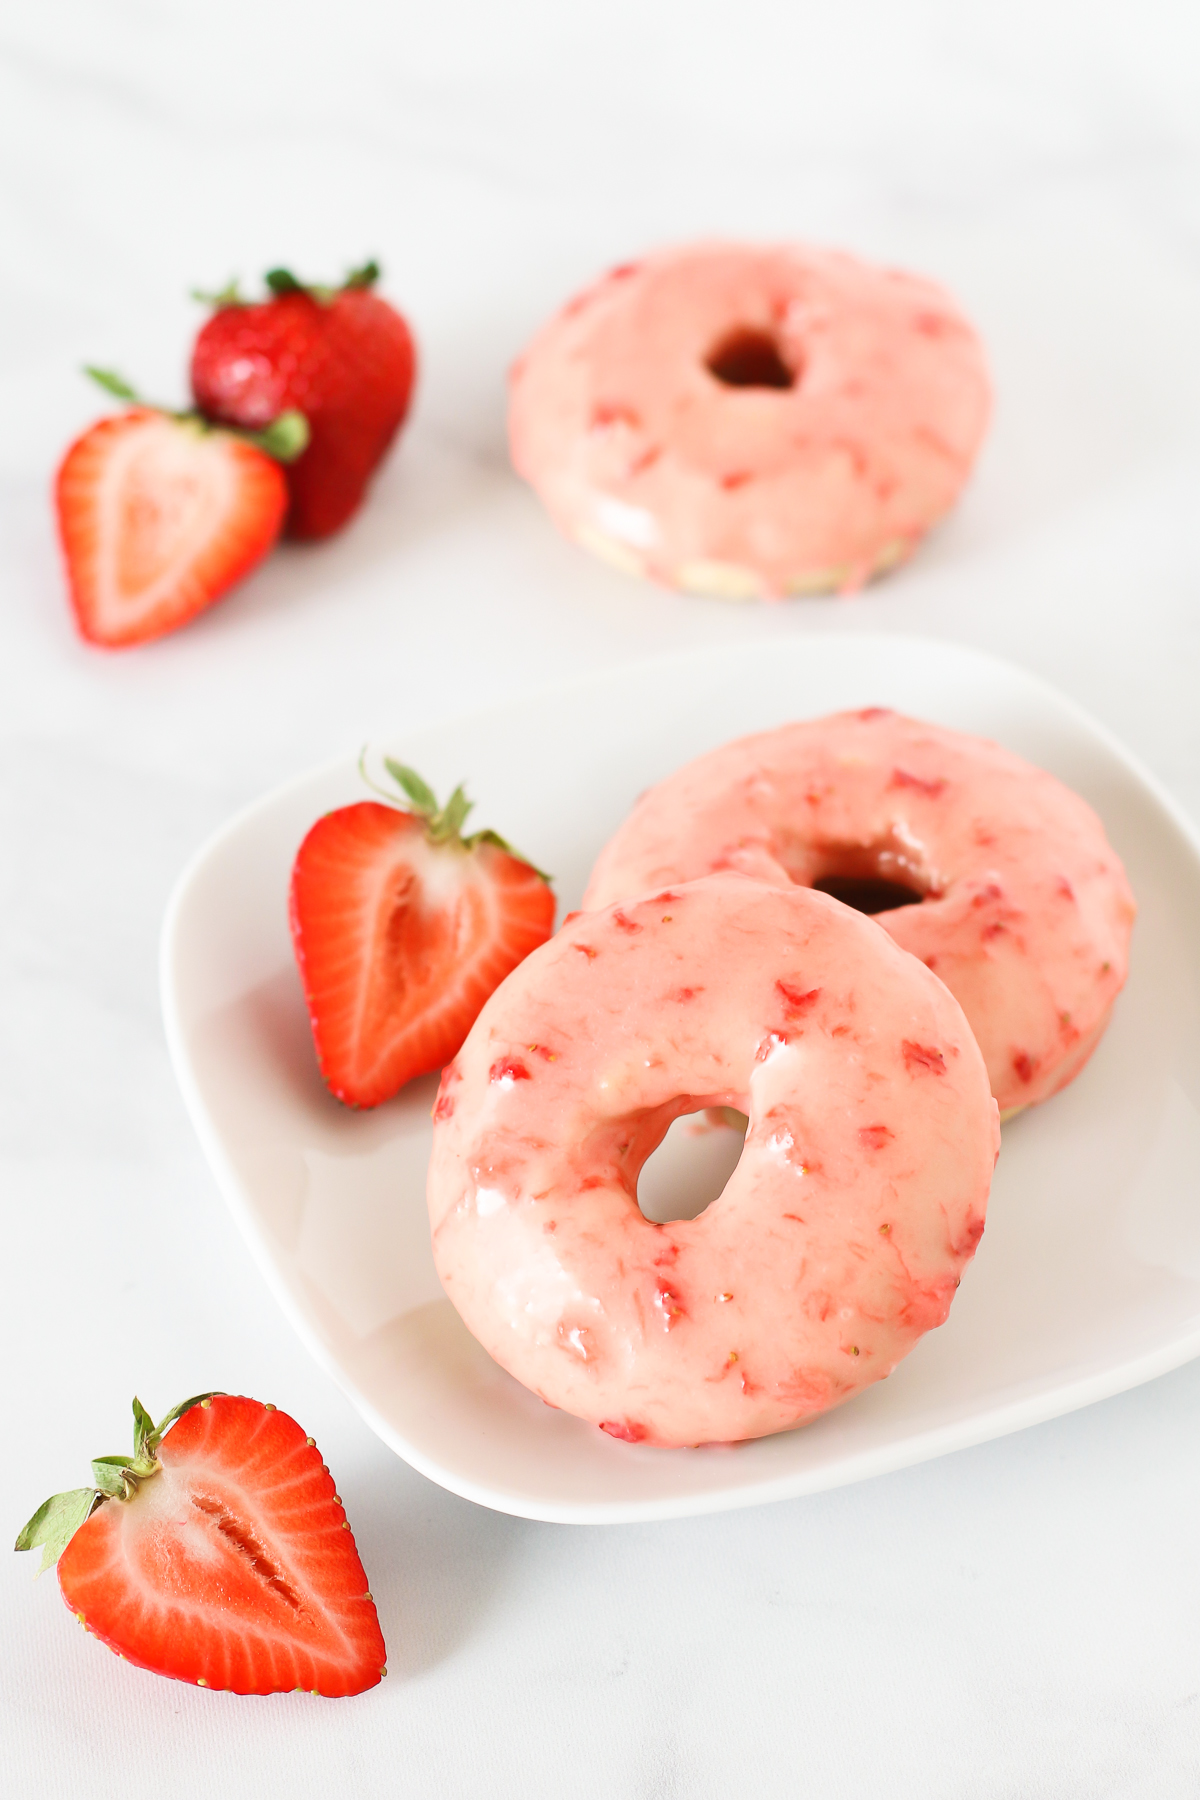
<point x="872" y="878"/>
<point x="868" y="893"/>
<point x="749" y="357"/>
<point x="691" y="1166"/>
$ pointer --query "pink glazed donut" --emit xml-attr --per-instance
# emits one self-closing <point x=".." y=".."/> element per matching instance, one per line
<point x="842" y="1233"/>
<point x="1026" y="913"/>
<point x="747" y="420"/>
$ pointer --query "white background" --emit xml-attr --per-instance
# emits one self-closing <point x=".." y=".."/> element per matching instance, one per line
<point x="1019" y="1620"/>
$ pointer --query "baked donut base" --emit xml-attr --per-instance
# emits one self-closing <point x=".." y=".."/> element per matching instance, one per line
<point x="735" y="581"/>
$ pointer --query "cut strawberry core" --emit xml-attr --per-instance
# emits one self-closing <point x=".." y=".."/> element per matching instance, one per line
<point x="170" y="492"/>
<point x="168" y="497"/>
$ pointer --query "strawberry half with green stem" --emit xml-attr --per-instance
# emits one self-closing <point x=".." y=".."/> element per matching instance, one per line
<point x="402" y="928"/>
<point x="342" y="356"/>
<point x="159" y="514"/>
<point x="218" y="1553"/>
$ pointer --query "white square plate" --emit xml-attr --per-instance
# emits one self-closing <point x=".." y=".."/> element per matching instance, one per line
<point x="1088" y="1277"/>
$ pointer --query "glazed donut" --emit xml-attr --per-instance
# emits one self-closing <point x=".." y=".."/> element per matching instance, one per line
<point x="1025" y="911"/>
<point x="751" y="420"/>
<point x="842" y="1233"/>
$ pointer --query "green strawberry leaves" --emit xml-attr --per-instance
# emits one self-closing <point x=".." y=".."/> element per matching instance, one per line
<point x="143" y="1430"/>
<point x="55" y="1523"/>
<point x="443" y="824"/>
<point x="114" y="384"/>
<point x="285" y="438"/>
<point x="177" y="1412"/>
<point x="108" y="1472"/>
<point x="281" y="281"/>
<point x="57" y="1520"/>
<point x="218" y="298"/>
<point x="418" y="791"/>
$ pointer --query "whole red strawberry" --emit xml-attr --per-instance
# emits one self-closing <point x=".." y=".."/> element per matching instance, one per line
<point x="341" y="356"/>
<point x="218" y="1553"/>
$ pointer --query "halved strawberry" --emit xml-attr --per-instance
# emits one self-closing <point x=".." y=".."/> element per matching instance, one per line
<point x="218" y="1554"/>
<point x="402" y="928"/>
<point x="159" y="515"/>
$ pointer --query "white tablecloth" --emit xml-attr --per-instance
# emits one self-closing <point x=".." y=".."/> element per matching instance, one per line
<point x="1017" y="1620"/>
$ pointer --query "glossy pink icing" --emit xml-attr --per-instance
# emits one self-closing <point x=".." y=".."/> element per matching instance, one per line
<point x="842" y="1234"/>
<point x="1027" y="916"/>
<point x="641" y="453"/>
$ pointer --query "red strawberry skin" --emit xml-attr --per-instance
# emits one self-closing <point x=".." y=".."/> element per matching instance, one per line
<point x="158" y="518"/>
<point x="347" y="363"/>
<point x="400" y="941"/>
<point x="232" y="1567"/>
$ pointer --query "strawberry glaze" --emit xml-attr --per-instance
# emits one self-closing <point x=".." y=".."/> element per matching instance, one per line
<point x="841" y="1235"/>
<point x="1026" y="915"/>
<point x="853" y="402"/>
